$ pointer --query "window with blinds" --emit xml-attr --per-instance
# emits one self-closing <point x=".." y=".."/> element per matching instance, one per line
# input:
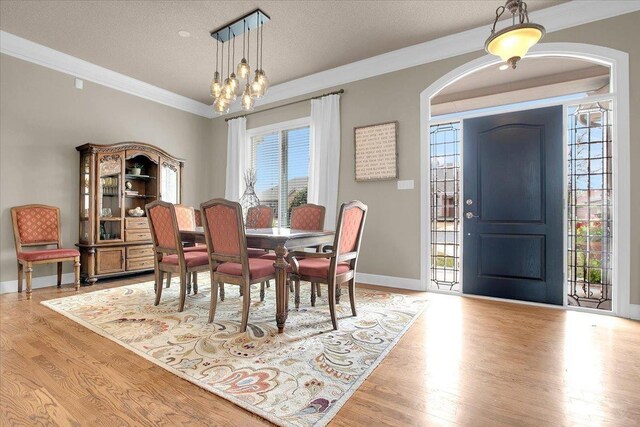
<point x="280" y="158"/>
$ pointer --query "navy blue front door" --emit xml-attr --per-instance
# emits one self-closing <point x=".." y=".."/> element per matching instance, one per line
<point x="512" y="206"/>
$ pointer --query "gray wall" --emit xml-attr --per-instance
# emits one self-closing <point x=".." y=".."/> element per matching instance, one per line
<point x="392" y="241"/>
<point x="43" y="118"/>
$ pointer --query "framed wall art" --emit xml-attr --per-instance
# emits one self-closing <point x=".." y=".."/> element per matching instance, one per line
<point x="376" y="152"/>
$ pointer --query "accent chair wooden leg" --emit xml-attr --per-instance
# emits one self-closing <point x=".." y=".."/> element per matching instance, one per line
<point x="338" y="293"/>
<point x="352" y="296"/>
<point x="183" y="291"/>
<point x="221" y="291"/>
<point x="158" y="286"/>
<point x="331" y="296"/>
<point x="168" y="280"/>
<point x="59" y="274"/>
<point x="246" y="303"/>
<point x="214" y="299"/>
<point x="195" y="282"/>
<point x="20" y="274"/>
<point x="314" y="287"/>
<point x="318" y="289"/>
<point x="76" y="272"/>
<point x="28" y="270"/>
<point x="296" y="294"/>
<point x="188" y="278"/>
<point x="262" y="287"/>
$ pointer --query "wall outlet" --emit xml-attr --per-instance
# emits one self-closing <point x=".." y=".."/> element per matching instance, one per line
<point x="406" y="184"/>
<point x="79" y="84"/>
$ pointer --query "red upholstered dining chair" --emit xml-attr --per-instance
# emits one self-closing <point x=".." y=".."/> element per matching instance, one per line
<point x="258" y="217"/>
<point x="305" y="217"/>
<point x="39" y="225"/>
<point x="229" y="262"/>
<point x="187" y="221"/>
<point x="336" y="267"/>
<point x="169" y="255"/>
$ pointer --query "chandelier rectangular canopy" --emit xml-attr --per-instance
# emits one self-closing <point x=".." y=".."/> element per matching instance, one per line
<point x="248" y="22"/>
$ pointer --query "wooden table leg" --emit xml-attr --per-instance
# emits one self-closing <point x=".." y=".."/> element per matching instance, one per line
<point x="282" y="290"/>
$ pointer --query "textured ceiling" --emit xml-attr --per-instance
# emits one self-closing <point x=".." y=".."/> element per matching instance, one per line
<point x="140" y="38"/>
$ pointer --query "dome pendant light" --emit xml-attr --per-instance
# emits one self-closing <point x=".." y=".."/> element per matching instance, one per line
<point x="513" y="42"/>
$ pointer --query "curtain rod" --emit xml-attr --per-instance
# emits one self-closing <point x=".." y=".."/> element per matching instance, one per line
<point x="337" y="92"/>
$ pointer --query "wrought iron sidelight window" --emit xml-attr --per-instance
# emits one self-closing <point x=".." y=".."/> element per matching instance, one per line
<point x="445" y="206"/>
<point x="589" y="205"/>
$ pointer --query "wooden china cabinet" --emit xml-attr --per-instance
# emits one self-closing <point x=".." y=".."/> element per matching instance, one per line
<point x="115" y="179"/>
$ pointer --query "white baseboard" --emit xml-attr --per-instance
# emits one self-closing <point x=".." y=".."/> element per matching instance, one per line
<point x="389" y="281"/>
<point x="634" y="311"/>
<point x="38" y="282"/>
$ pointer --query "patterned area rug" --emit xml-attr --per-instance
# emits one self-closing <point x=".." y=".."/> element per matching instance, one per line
<point x="299" y="378"/>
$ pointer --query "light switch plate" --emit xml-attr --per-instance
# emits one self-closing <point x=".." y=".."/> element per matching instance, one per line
<point x="406" y="184"/>
<point x="79" y="83"/>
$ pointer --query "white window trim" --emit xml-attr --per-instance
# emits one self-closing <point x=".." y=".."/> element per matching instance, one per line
<point x="619" y="94"/>
<point x="275" y="128"/>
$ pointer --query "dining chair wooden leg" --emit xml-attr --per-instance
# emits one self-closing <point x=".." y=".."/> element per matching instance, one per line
<point x="290" y="286"/>
<point x="29" y="273"/>
<point x="241" y="291"/>
<point x="221" y="291"/>
<point x="59" y="274"/>
<point x="352" y="296"/>
<point x="214" y="298"/>
<point x="318" y="289"/>
<point x="183" y="290"/>
<point x="168" y="280"/>
<point x="331" y="296"/>
<point x="314" y="287"/>
<point x="76" y="272"/>
<point x="188" y="279"/>
<point x="296" y="295"/>
<point x="268" y="283"/>
<point x="20" y="274"/>
<point x="246" y="303"/>
<point x="262" y="287"/>
<point x="195" y="282"/>
<point x="158" y="285"/>
<point x="338" y="293"/>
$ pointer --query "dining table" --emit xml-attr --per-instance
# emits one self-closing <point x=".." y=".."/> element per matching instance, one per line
<point x="280" y="240"/>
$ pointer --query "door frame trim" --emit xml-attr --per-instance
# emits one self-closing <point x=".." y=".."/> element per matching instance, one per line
<point x="618" y="61"/>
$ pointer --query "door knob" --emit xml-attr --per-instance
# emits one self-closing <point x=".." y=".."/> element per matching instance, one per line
<point x="470" y="215"/>
<point x="469" y="202"/>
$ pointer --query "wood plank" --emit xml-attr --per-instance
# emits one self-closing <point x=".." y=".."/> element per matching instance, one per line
<point x="464" y="361"/>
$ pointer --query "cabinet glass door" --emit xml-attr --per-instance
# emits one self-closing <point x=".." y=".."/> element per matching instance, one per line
<point x="169" y="182"/>
<point x="110" y="195"/>
<point x="85" y="194"/>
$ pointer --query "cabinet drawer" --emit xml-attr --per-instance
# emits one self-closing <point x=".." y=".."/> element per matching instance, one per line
<point x="136" y="224"/>
<point x="139" y="251"/>
<point x="139" y="263"/>
<point x="109" y="260"/>
<point x="136" y="235"/>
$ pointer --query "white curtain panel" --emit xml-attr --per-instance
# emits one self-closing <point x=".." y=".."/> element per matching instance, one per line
<point x="325" y="156"/>
<point x="236" y="158"/>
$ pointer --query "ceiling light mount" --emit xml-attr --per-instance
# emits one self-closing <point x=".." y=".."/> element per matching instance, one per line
<point x="513" y="42"/>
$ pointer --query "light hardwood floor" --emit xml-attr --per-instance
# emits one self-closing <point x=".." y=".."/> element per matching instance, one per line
<point x="465" y="361"/>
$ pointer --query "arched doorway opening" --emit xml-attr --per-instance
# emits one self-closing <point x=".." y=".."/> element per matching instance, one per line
<point x="614" y="98"/>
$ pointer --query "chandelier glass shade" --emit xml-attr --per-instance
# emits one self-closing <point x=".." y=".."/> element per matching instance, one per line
<point x="512" y="43"/>
<point x="225" y="92"/>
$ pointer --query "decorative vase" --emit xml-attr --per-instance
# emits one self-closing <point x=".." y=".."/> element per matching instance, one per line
<point x="136" y="171"/>
<point x="249" y="198"/>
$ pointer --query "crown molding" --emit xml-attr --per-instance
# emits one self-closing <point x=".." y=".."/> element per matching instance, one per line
<point x="27" y="50"/>
<point x="555" y="18"/>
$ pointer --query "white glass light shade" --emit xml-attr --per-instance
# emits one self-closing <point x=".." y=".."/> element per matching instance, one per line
<point x="243" y="69"/>
<point x="233" y="80"/>
<point x="221" y="106"/>
<point x="216" y="86"/>
<point x="247" y="100"/>
<point x="228" y="92"/>
<point x="512" y="43"/>
<point x="264" y="81"/>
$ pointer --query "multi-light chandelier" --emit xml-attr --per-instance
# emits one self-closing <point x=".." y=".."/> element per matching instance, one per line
<point x="513" y="42"/>
<point x="225" y="92"/>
